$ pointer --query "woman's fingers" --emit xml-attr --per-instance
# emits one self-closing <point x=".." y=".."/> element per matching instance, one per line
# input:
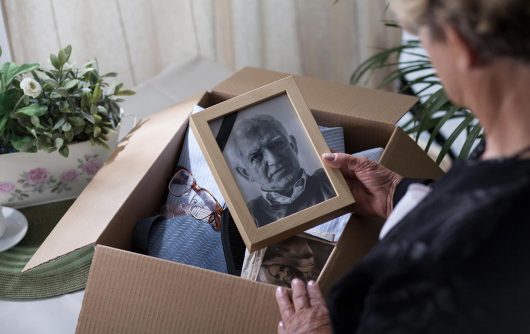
<point x="315" y="296"/>
<point x="306" y="313"/>
<point x="284" y="303"/>
<point x="281" y="328"/>
<point x="300" y="299"/>
<point x="336" y="160"/>
<point x="347" y="163"/>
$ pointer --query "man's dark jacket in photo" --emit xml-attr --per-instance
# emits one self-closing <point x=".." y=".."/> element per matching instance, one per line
<point x="317" y="190"/>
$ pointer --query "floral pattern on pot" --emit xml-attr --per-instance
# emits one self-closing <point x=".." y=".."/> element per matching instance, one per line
<point x="40" y="180"/>
<point x="90" y="165"/>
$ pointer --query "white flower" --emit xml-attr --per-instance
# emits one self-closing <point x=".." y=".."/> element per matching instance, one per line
<point x="30" y="87"/>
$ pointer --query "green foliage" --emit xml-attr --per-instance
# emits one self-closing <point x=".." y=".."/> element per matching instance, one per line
<point x="434" y="109"/>
<point x="74" y="105"/>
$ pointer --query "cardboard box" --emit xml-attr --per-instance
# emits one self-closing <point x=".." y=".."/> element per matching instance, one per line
<point x="133" y="293"/>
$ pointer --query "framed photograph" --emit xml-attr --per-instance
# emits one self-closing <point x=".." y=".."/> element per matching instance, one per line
<point x="302" y="256"/>
<point x="264" y="150"/>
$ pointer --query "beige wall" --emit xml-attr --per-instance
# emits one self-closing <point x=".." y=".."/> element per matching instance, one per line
<point x="139" y="38"/>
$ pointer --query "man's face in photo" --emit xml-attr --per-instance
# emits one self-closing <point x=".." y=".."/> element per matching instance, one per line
<point x="269" y="158"/>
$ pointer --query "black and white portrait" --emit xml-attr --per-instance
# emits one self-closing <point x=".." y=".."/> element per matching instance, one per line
<point x="271" y="157"/>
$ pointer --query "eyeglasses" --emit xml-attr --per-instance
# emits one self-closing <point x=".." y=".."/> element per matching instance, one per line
<point x="193" y="200"/>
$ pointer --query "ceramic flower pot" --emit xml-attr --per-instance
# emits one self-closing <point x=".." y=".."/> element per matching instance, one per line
<point x="28" y="179"/>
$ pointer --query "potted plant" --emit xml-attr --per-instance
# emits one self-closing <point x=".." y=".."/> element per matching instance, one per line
<point x="434" y="110"/>
<point x="57" y="126"/>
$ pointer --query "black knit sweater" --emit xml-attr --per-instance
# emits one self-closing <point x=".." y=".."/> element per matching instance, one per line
<point x="458" y="263"/>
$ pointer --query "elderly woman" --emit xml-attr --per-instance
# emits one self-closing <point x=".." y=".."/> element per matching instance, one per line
<point x="459" y="261"/>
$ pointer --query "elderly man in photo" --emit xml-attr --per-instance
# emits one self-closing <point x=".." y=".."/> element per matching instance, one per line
<point x="266" y="154"/>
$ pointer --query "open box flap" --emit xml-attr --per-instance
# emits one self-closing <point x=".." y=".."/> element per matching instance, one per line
<point x="406" y="158"/>
<point x="99" y="204"/>
<point x="323" y="95"/>
<point x="132" y="293"/>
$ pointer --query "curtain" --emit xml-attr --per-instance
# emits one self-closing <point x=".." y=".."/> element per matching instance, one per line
<point x="138" y="39"/>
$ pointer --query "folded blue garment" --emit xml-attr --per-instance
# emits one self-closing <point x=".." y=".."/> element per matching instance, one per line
<point x="181" y="239"/>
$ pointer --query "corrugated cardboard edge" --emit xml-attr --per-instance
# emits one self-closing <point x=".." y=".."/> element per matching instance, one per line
<point x="97" y="206"/>
<point x="43" y="266"/>
<point x="405" y="157"/>
<point x="132" y="293"/>
<point x="348" y="100"/>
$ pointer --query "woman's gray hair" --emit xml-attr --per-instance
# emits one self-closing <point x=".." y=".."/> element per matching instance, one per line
<point x="493" y="28"/>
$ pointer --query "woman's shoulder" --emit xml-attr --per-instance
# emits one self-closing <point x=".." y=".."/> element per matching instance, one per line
<point x="457" y="221"/>
<point x="467" y="175"/>
<point x="466" y="211"/>
<point x="469" y="202"/>
<point x="457" y="257"/>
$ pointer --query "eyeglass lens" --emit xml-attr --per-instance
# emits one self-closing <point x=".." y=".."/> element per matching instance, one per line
<point x="203" y="204"/>
<point x="181" y="182"/>
<point x="192" y="200"/>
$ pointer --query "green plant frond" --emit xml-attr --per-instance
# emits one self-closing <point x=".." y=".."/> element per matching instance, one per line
<point x="393" y="77"/>
<point x="402" y="72"/>
<point x="412" y="124"/>
<point x="417" y="62"/>
<point x="409" y="63"/>
<point x="451" y="139"/>
<point x="413" y="127"/>
<point x="436" y="101"/>
<point x="428" y="85"/>
<point x="392" y="24"/>
<point x="398" y="74"/>
<point x="434" y="109"/>
<point x="378" y="59"/>
<point x="474" y="134"/>
<point x="439" y="124"/>
<point x="415" y="54"/>
<point x="421" y="122"/>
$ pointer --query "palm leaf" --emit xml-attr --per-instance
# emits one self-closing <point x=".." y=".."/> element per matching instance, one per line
<point x="435" y="102"/>
<point x="448" y="115"/>
<point x="434" y="110"/>
<point x="452" y="137"/>
<point x="471" y="138"/>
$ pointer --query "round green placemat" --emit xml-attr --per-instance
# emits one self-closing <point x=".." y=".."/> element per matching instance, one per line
<point x="66" y="274"/>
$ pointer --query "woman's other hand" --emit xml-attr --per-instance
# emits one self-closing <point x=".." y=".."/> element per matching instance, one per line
<point x="306" y="312"/>
<point x="371" y="184"/>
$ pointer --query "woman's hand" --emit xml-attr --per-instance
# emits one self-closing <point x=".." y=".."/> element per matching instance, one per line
<point x="306" y="313"/>
<point x="371" y="184"/>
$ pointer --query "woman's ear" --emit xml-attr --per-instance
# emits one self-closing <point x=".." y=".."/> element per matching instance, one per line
<point x="465" y="57"/>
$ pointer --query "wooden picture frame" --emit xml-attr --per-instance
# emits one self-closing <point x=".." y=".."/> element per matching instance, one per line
<point x="234" y="156"/>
